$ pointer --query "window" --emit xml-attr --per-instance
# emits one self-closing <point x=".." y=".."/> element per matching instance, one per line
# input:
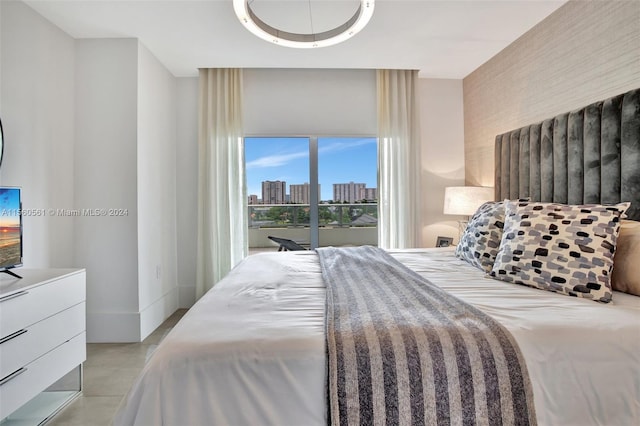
<point x="316" y="191"/>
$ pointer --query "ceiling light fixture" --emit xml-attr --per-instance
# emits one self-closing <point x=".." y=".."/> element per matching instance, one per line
<point x="283" y="38"/>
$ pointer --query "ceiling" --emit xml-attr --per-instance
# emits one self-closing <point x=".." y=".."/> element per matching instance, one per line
<point x="441" y="38"/>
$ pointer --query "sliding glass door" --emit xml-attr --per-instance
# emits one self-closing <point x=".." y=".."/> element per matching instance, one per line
<point x="348" y="209"/>
<point x="316" y="191"/>
<point x="273" y="167"/>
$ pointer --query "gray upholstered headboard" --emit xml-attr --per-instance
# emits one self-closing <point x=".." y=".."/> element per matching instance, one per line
<point x="591" y="155"/>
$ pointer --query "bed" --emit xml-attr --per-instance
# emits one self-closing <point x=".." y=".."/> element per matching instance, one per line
<point x="253" y="350"/>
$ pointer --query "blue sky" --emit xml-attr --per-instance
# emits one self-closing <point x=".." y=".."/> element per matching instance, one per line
<point x="9" y="206"/>
<point x="340" y="160"/>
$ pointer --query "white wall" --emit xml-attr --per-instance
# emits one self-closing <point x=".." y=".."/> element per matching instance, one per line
<point x="106" y="177"/>
<point x="126" y="159"/>
<point x="300" y="102"/>
<point x="441" y="121"/>
<point x="187" y="188"/>
<point x="156" y="172"/>
<point x="87" y="123"/>
<point x="37" y="105"/>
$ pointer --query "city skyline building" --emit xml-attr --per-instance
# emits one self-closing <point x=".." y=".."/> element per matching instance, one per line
<point x="368" y="194"/>
<point x="347" y="192"/>
<point x="274" y="192"/>
<point x="301" y="193"/>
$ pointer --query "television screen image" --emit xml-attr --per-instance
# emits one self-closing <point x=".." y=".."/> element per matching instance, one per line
<point x="10" y="228"/>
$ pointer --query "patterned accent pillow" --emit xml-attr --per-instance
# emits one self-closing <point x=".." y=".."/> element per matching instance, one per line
<point x="480" y="241"/>
<point x="561" y="248"/>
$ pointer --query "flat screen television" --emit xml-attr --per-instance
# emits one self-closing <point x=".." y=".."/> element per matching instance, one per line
<point x="10" y="229"/>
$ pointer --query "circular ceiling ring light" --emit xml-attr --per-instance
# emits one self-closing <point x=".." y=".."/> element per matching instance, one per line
<point x="283" y="38"/>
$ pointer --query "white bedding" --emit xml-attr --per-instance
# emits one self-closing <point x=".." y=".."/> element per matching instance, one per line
<point x="252" y="350"/>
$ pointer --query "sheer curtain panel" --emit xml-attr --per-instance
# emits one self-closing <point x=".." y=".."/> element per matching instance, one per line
<point x="222" y="217"/>
<point x="399" y="159"/>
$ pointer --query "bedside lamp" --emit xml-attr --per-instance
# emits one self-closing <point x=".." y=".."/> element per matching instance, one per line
<point x="464" y="201"/>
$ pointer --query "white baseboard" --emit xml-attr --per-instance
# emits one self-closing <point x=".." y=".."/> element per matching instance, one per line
<point x="155" y="314"/>
<point x="126" y="327"/>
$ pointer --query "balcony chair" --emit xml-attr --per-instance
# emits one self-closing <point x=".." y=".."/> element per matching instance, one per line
<point x="285" y="244"/>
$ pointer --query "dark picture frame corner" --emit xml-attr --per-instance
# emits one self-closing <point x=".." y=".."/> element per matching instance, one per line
<point x="444" y="241"/>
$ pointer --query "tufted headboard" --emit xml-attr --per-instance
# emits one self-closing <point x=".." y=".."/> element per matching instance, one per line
<point x="591" y="155"/>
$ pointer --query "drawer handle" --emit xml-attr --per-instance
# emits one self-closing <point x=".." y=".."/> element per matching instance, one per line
<point x="12" y="376"/>
<point x="13" y="335"/>
<point x="14" y="295"/>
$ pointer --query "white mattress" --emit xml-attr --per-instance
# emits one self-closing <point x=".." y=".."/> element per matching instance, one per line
<point x="252" y="350"/>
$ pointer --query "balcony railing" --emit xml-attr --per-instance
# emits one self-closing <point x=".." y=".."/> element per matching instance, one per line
<point x="296" y="215"/>
<point x="338" y="224"/>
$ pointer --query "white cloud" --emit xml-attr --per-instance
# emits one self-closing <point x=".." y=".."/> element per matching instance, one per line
<point x="344" y="145"/>
<point x="276" y="160"/>
<point x="279" y="160"/>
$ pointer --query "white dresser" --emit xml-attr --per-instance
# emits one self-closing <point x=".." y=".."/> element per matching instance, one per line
<point x="42" y="332"/>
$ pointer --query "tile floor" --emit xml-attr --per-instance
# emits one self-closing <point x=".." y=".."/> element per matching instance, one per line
<point x="109" y="371"/>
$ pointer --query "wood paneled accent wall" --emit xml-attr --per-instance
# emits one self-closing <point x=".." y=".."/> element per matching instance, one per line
<point x="584" y="52"/>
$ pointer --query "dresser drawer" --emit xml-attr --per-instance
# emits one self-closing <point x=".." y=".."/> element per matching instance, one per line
<point x="40" y="374"/>
<point x="27" y="307"/>
<point x="36" y="340"/>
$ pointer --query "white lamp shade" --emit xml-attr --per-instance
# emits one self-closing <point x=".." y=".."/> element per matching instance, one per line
<point x="465" y="200"/>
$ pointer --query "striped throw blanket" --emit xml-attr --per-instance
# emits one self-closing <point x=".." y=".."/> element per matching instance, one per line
<point x="402" y="351"/>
